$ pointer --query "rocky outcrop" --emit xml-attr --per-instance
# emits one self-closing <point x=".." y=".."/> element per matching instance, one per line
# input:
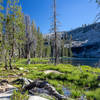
<point x="36" y="98"/>
<point x="85" y="40"/>
<point x="6" y="90"/>
<point x="39" y="86"/>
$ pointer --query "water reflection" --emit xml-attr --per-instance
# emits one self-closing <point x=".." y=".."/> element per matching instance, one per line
<point x="81" y="61"/>
<point x="66" y="92"/>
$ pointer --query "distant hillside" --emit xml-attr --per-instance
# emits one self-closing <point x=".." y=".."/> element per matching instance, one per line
<point x="86" y="40"/>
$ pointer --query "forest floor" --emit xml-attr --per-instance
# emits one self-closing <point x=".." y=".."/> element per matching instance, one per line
<point x="79" y="80"/>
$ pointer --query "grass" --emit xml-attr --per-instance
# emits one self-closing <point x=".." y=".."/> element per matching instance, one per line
<point x="18" y="96"/>
<point x="79" y="79"/>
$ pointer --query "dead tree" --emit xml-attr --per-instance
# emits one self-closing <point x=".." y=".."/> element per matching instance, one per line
<point x="54" y="30"/>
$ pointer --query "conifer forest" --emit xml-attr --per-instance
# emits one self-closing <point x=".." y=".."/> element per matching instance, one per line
<point x="60" y="64"/>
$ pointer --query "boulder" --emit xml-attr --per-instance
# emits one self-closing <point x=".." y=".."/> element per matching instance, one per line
<point x="36" y="98"/>
<point x="6" y="91"/>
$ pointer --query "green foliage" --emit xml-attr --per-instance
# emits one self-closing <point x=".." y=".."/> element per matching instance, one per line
<point x="91" y="95"/>
<point x="1" y="24"/>
<point x="77" y="79"/>
<point x="33" y="61"/>
<point x="76" y="93"/>
<point x="40" y="44"/>
<point x="18" y="96"/>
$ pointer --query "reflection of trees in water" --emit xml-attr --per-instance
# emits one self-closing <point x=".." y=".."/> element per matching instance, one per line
<point x="95" y="62"/>
<point x="66" y="61"/>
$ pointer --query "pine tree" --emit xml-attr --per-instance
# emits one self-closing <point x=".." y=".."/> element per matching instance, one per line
<point x="62" y="47"/>
<point x="34" y="35"/>
<point x="66" y="52"/>
<point x="98" y="2"/>
<point x="20" y="36"/>
<point x="28" y="38"/>
<point x="40" y="43"/>
<point x="12" y="27"/>
<point x="1" y="23"/>
<point x="47" y="48"/>
<point x="70" y="45"/>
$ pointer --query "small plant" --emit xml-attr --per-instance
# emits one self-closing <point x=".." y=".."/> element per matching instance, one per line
<point x="75" y="93"/>
<point x="18" y="96"/>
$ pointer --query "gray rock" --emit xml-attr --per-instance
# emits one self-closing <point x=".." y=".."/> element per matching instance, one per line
<point x="6" y="95"/>
<point x="36" y="98"/>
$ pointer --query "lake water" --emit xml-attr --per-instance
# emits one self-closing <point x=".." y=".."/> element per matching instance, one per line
<point x="95" y="62"/>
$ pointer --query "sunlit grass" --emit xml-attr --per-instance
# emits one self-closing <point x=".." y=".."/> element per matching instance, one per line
<point x="78" y="79"/>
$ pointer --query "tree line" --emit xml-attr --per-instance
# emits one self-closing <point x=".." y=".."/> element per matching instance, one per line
<point x="20" y="38"/>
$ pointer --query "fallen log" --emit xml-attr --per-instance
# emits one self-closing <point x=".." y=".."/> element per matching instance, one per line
<point x="29" y="85"/>
<point x="43" y="84"/>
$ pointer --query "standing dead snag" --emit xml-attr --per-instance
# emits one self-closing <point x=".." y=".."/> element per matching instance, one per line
<point x="55" y="32"/>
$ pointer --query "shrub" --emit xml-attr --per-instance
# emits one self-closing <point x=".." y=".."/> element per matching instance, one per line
<point x="18" y="96"/>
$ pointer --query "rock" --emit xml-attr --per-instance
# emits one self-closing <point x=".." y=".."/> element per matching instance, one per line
<point x="52" y="71"/>
<point x="45" y="86"/>
<point x="21" y="68"/>
<point x="36" y="98"/>
<point x="3" y="82"/>
<point x="7" y="92"/>
<point x="39" y="86"/>
<point x="23" y="81"/>
<point x="27" y="71"/>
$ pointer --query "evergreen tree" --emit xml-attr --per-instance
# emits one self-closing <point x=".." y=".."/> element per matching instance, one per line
<point x="34" y="35"/>
<point x="40" y="43"/>
<point x="12" y="28"/>
<point x="20" y="36"/>
<point x="47" y="48"/>
<point x="64" y="50"/>
<point x="70" y="45"/>
<point x="28" y="36"/>
<point x="1" y="23"/>
<point x="62" y="47"/>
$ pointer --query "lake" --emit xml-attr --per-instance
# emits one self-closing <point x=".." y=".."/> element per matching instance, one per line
<point x="95" y="62"/>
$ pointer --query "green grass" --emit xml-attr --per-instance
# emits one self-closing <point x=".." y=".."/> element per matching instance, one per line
<point x="78" y="79"/>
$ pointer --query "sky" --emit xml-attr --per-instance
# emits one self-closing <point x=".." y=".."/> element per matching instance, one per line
<point x="70" y="13"/>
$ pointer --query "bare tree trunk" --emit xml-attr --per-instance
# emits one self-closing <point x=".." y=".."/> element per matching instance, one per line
<point x="19" y="50"/>
<point x="10" y="62"/>
<point x="28" y="54"/>
<point x="28" y="61"/>
<point x="6" y="66"/>
<point x="19" y="53"/>
<point x="34" y="54"/>
<point x="55" y="31"/>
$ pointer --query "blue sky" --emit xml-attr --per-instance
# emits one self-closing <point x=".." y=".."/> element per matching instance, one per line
<point x="71" y="13"/>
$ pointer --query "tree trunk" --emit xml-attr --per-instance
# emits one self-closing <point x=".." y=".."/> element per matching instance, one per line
<point x="29" y="61"/>
<point x="10" y="62"/>
<point x="6" y="66"/>
<point x="55" y="31"/>
<point x="43" y="84"/>
<point x="19" y="52"/>
<point x="28" y="57"/>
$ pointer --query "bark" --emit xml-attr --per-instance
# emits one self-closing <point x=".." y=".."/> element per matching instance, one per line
<point x="10" y="62"/>
<point x="55" y="31"/>
<point x="28" y="57"/>
<point x="19" y="50"/>
<point x="42" y="84"/>
<point x="6" y="66"/>
<point x="29" y="85"/>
